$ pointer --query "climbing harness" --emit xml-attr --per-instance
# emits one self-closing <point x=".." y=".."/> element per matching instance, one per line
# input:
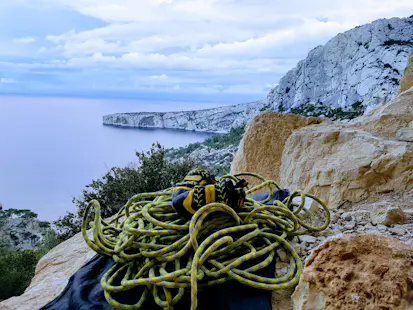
<point x="201" y="232"/>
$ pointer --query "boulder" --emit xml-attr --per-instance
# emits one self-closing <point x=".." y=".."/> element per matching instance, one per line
<point x="343" y="166"/>
<point x="52" y="274"/>
<point x="357" y="272"/>
<point x="393" y="120"/>
<point x="407" y="79"/>
<point x="261" y="148"/>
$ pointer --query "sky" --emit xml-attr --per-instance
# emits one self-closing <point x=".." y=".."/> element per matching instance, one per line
<point x="188" y="50"/>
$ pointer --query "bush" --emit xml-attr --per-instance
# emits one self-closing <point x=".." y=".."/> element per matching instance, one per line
<point x="17" y="267"/>
<point x="215" y="142"/>
<point x="16" y="271"/>
<point x="50" y="240"/>
<point x="153" y="172"/>
<point x="357" y="109"/>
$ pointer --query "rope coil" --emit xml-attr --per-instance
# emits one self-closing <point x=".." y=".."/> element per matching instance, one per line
<point x="156" y="248"/>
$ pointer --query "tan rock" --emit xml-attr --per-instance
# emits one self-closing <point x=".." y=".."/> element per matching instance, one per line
<point x="343" y="166"/>
<point x="363" y="272"/>
<point x="262" y="145"/>
<point x="281" y="300"/>
<point x="52" y="274"/>
<point x="388" y="216"/>
<point x="407" y="79"/>
<point x="385" y="210"/>
<point x="393" y="120"/>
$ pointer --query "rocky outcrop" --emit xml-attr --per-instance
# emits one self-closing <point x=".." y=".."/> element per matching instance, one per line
<point x="261" y="147"/>
<point x="343" y="166"/>
<point x="357" y="273"/>
<point x="219" y="120"/>
<point x="393" y="120"/>
<point x="52" y="274"/>
<point x="407" y="80"/>
<point x="20" y="229"/>
<point x="362" y="65"/>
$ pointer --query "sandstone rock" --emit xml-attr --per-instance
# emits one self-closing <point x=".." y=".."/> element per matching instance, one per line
<point x="262" y="145"/>
<point x="363" y="272"/>
<point x="393" y="120"/>
<point x="52" y="274"/>
<point x="388" y="216"/>
<point x="357" y="216"/>
<point x="307" y="239"/>
<point x="281" y="300"/>
<point x="349" y="225"/>
<point x="343" y="166"/>
<point x="407" y="79"/>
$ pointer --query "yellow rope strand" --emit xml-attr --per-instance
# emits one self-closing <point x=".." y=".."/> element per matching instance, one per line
<point x="156" y="248"/>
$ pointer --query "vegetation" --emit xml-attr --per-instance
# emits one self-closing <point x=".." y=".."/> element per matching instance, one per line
<point x="357" y="109"/>
<point x="153" y="172"/>
<point x="265" y="108"/>
<point x="17" y="267"/>
<point x="16" y="271"/>
<point x="216" y="142"/>
<point x="23" y="213"/>
<point x="397" y="42"/>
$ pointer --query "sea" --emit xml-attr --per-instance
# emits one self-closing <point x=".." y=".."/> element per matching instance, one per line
<point x="52" y="147"/>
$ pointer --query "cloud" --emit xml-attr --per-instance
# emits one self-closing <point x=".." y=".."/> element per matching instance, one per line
<point x="7" y="81"/>
<point x="217" y="47"/>
<point x="24" y="40"/>
<point x="159" y="77"/>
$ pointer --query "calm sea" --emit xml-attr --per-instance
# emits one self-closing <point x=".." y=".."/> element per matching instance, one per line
<point x="50" y="148"/>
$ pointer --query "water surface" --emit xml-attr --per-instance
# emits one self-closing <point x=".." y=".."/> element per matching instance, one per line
<point x="50" y="148"/>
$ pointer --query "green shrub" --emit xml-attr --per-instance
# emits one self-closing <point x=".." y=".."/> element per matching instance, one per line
<point x="16" y="271"/>
<point x="50" y="240"/>
<point x="397" y="42"/>
<point x="216" y="142"/>
<point x="357" y="109"/>
<point x="17" y="267"/>
<point x="153" y="172"/>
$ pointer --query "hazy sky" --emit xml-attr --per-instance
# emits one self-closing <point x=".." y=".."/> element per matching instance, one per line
<point x="228" y="50"/>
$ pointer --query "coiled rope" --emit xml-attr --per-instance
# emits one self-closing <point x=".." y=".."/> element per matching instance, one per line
<point x="156" y="248"/>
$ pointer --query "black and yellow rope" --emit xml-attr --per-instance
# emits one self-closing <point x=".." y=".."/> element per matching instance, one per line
<point x="167" y="254"/>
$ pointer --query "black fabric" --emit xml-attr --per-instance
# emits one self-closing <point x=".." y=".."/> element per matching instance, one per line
<point x="84" y="292"/>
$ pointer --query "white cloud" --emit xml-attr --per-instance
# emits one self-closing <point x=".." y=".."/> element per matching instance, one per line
<point x="159" y="77"/>
<point x="24" y="40"/>
<point x="222" y="46"/>
<point x="7" y="81"/>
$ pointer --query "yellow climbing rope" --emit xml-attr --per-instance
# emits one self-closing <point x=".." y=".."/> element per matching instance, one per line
<point x="167" y="254"/>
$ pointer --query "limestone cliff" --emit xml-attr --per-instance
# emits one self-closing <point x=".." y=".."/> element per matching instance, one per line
<point x="362" y="65"/>
<point x="20" y="229"/>
<point x="219" y="120"/>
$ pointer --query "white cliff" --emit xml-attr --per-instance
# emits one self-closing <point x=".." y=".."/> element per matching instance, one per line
<point x="219" y="120"/>
<point x="362" y="65"/>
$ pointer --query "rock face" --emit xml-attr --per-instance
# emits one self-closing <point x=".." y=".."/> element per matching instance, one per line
<point x="407" y="79"/>
<point x="360" y="65"/>
<point x="219" y="120"/>
<point x="261" y="148"/>
<point x="393" y="120"/>
<point x="20" y="229"/>
<point x="344" y="166"/>
<point x="52" y="274"/>
<point x="357" y="273"/>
